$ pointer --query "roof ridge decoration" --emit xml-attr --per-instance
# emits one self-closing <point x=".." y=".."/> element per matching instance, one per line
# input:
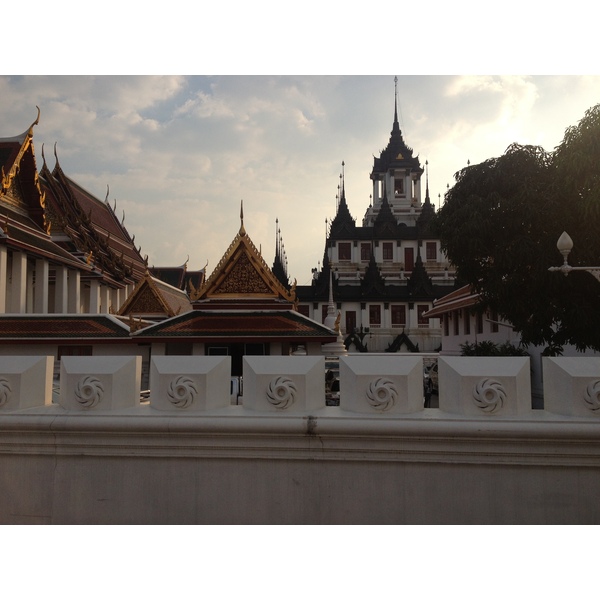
<point x="343" y="222"/>
<point x="242" y="272"/>
<point x="26" y="139"/>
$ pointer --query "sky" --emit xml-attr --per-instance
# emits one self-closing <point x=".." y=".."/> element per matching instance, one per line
<point x="178" y="154"/>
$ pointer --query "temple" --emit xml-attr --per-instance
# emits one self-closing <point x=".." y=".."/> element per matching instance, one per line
<point x="242" y="309"/>
<point x="386" y="272"/>
<point x="61" y="249"/>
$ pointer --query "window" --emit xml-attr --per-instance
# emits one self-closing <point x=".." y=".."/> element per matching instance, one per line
<point x="409" y="259"/>
<point x="350" y="321"/>
<point x="445" y="324"/>
<point x="422" y="321"/>
<point x="399" y="186"/>
<point x="365" y="252"/>
<point x="456" y="317"/>
<point x="344" y="251"/>
<point x="388" y="251"/>
<point x="431" y="250"/>
<point x="374" y="315"/>
<point x="398" y="315"/>
<point x="467" y="322"/>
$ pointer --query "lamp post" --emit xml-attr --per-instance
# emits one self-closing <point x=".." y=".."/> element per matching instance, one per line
<point x="565" y="245"/>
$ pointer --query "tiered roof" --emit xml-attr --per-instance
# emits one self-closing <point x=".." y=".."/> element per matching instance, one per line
<point x="89" y="228"/>
<point x="23" y="219"/>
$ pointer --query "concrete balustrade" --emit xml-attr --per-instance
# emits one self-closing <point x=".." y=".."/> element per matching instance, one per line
<point x="473" y="387"/>
<point x="485" y="386"/>
<point x="284" y="383"/>
<point x="188" y="456"/>
<point x="381" y="384"/>
<point x="25" y="382"/>
<point x="100" y="383"/>
<point x="190" y="383"/>
<point x="572" y="386"/>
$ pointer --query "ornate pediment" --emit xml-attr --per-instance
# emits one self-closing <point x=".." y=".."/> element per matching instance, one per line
<point x="242" y="274"/>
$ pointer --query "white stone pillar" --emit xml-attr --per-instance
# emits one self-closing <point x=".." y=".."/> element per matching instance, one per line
<point x="104" y="299"/>
<point x="115" y="300"/>
<point x="29" y="291"/>
<point x="42" y="279"/>
<point x="3" y="277"/>
<point x="18" y="300"/>
<point x="94" y="302"/>
<point x="74" y="292"/>
<point x="61" y="290"/>
<point x="418" y="190"/>
<point x="386" y="321"/>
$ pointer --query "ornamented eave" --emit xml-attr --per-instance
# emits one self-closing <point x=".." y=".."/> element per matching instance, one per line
<point x="26" y="140"/>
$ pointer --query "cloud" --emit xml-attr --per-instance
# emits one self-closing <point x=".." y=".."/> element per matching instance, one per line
<point x="179" y="153"/>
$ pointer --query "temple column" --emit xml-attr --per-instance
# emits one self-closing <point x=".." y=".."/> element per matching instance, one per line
<point x="94" y="302"/>
<point x="29" y="290"/>
<point x="104" y="299"/>
<point x="74" y="292"/>
<point x="61" y="291"/>
<point x="386" y="321"/>
<point x="18" y="299"/>
<point x="42" y="278"/>
<point x="115" y="300"/>
<point x="3" y="277"/>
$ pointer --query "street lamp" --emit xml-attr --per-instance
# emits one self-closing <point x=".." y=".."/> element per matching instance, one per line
<point x="565" y="245"/>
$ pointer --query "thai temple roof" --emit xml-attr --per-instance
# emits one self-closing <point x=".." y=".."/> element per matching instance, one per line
<point x="242" y="275"/>
<point x="88" y="227"/>
<point x="153" y="298"/>
<point x="24" y="221"/>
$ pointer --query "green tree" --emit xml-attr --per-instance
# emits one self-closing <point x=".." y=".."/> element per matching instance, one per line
<point x="499" y="227"/>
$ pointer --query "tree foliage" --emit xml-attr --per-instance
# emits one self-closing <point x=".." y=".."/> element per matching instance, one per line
<point x="487" y="348"/>
<point x="499" y="227"/>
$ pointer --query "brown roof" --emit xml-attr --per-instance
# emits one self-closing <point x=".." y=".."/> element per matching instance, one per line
<point x="154" y="297"/>
<point x="233" y="325"/>
<point x="52" y="327"/>
<point x="91" y="228"/>
<point x="461" y="298"/>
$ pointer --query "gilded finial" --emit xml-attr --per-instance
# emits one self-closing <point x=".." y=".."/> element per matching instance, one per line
<point x="242" y="230"/>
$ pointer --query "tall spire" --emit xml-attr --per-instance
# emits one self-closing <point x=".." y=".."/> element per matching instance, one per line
<point x="396" y="101"/>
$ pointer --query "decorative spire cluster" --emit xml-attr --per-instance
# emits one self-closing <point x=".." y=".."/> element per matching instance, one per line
<point x="280" y="264"/>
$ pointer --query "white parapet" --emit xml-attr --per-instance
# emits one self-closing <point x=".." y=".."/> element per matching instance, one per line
<point x="290" y="383"/>
<point x="25" y="381"/>
<point x="485" y="386"/>
<point x="100" y="382"/>
<point x="190" y="383"/>
<point x="572" y="385"/>
<point x="377" y="384"/>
